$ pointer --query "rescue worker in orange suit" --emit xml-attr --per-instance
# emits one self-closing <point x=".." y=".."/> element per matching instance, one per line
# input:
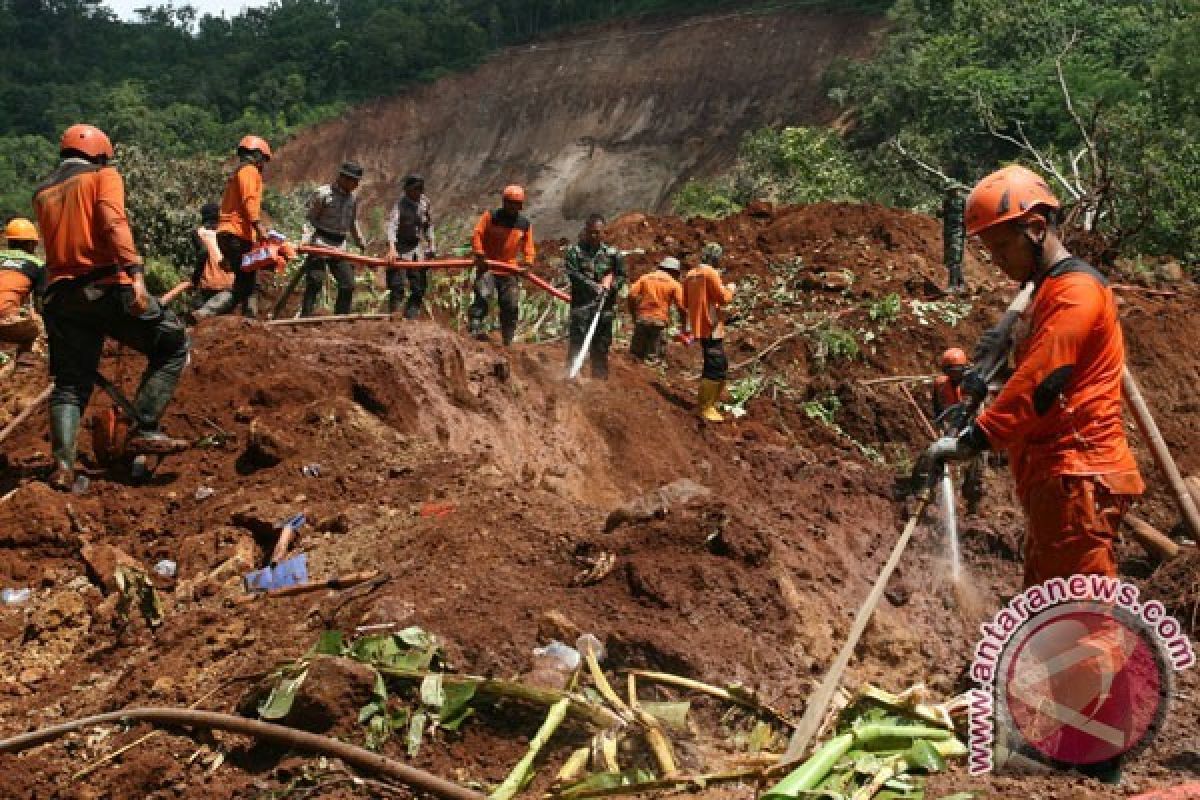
<point x="651" y="299"/>
<point x="97" y="289"/>
<point x="409" y="231"/>
<point x="596" y="272"/>
<point x="211" y="284"/>
<point x="1059" y="415"/>
<point x="704" y="295"/>
<point x="240" y="226"/>
<point x="501" y="235"/>
<point x="333" y="215"/>
<point x="946" y="396"/>
<point x="22" y="275"/>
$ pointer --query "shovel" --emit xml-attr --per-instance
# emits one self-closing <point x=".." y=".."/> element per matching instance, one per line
<point x="577" y="364"/>
<point x="281" y="572"/>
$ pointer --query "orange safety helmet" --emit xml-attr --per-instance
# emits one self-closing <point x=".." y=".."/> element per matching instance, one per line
<point x="252" y="142"/>
<point x="87" y="139"/>
<point x="515" y="193"/>
<point x="20" y="229"/>
<point x="954" y="357"/>
<point x="1005" y="195"/>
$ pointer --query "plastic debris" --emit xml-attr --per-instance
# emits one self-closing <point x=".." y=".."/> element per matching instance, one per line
<point x="205" y="492"/>
<point x="311" y="470"/>
<point x="166" y="568"/>
<point x="15" y="597"/>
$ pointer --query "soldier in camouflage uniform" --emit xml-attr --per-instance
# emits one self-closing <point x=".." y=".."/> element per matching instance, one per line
<point x="593" y="267"/>
<point x="954" y="236"/>
<point x="333" y="214"/>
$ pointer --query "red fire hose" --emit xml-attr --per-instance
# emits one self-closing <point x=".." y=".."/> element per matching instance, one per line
<point x="498" y="267"/>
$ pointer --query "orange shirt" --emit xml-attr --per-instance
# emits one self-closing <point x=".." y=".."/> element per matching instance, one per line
<point x="945" y="394"/>
<point x="81" y="214"/>
<point x="653" y="295"/>
<point x="14" y="288"/>
<point x="241" y="204"/>
<point x="1060" y="412"/>
<point x="703" y="294"/>
<point x="501" y="236"/>
<point x="210" y="276"/>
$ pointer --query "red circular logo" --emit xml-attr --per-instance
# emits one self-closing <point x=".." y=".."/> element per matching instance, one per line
<point x="1084" y="683"/>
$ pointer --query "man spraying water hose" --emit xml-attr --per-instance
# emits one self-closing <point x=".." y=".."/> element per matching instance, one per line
<point x="1059" y="414"/>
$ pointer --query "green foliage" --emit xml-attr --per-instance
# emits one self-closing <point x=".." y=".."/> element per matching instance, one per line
<point x="885" y="310"/>
<point x="824" y="410"/>
<point x="789" y="165"/>
<point x="163" y="200"/>
<point x="832" y="343"/>
<point x="23" y="160"/>
<point x="948" y="69"/>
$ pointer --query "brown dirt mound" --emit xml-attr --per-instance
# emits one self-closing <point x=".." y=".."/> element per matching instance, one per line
<point x="401" y="415"/>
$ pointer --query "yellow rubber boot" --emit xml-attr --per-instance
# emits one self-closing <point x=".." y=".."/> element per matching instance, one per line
<point x="706" y="407"/>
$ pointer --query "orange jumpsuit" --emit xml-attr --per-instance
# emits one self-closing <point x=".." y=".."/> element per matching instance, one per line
<point x="1059" y="419"/>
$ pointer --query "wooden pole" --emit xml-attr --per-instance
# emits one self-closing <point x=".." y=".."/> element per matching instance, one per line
<point x="1162" y="455"/>
<point x="818" y="704"/>
<point x="26" y="413"/>
<point x="1150" y="538"/>
<point x="329" y="318"/>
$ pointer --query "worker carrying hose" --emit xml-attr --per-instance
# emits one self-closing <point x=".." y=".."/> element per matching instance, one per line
<point x="240" y="226"/>
<point x="210" y="283"/>
<point x="705" y="295"/>
<point x="96" y="290"/>
<point x="501" y="235"/>
<point x="333" y="215"/>
<point x="410" y="238"/>
<point x="651" y="298"/>
<point x="945" y="399"/>
<point x="22" y="275"/>
<point x="1059" y="415"/>
<point x="596" y="271"/>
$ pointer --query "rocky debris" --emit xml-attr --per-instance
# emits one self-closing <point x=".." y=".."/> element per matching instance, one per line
<point x="102" y="560"/>
<point x="655" y="504"/>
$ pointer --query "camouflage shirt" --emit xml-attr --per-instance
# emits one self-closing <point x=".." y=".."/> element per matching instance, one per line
<point x="585" y="269"/>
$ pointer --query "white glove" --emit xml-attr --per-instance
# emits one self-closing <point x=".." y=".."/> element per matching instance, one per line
<point x="731" y="287"/>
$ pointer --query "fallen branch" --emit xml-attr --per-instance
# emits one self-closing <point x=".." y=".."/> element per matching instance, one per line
<point x="265" y="731"/>
<point x="596" y="715"/>
<point x="1150" y="538"/>
<point x="744" y="701"/>
<point x="26" y="413"/>
<point x="327" y="318"/>
<point x="520" y="773"/>
<point x="899" y="379"/>
<point x="920" y="411"/>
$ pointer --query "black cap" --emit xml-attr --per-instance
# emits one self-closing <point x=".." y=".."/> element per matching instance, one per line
<point x="351" y="169"/>
<point x="413" y="180"/>
<point x="210" y="212"/>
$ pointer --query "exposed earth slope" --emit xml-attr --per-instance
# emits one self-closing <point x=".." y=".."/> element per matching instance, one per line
<point x="604" y="120"/>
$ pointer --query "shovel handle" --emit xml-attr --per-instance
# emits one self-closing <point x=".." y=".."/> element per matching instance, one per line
<point x="339" y="582"/>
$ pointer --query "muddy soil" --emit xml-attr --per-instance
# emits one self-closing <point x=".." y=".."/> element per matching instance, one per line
<point x="407" y="421"/>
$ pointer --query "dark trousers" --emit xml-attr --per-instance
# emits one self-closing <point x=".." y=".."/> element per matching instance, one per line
<point x="244" y="283"/>
<point x="648" y="341"/>
<point x="716" y="365"/>
<point x="414" y="281"/>
<point x="506" y="288"/>
<point x="314" y="278"/>
<point x="212" y="303"/>
<point x="580" y="320"/>
<point x="78" y="321"/>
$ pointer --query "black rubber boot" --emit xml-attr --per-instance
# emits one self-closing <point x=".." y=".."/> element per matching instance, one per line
<point x="64" y="431"/>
